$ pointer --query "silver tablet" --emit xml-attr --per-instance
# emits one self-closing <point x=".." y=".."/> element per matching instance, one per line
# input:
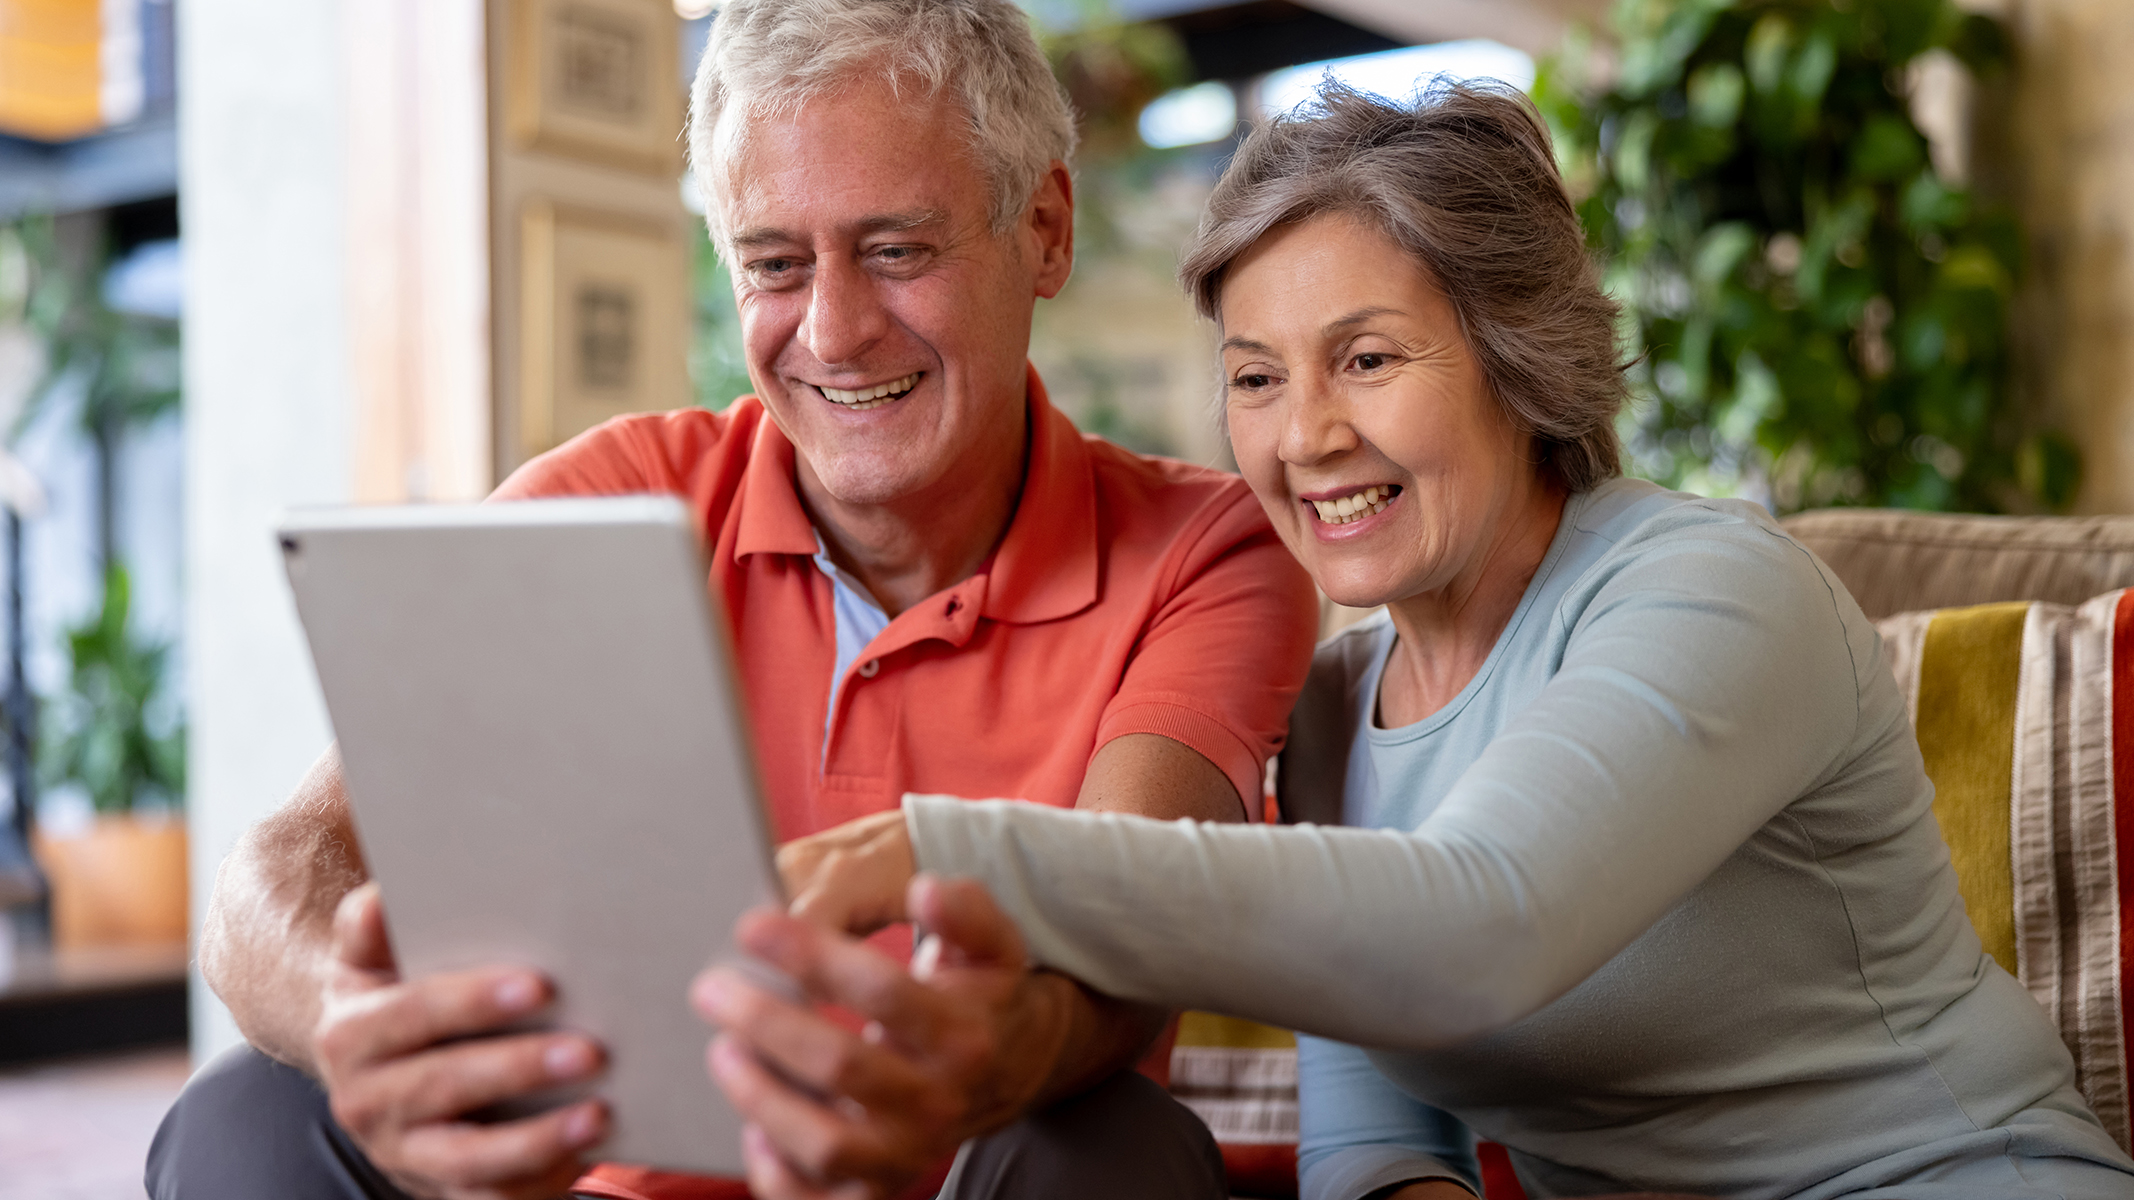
<point x="548" y="763"/>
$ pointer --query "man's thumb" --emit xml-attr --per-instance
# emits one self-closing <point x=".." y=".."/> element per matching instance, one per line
<point x="972" y="930"/>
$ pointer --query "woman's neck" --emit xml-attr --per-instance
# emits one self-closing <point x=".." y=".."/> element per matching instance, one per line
<point x="1445" y="635"/>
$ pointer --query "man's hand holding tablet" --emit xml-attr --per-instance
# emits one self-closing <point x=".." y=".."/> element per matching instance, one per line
<point x="406" y="1061"/>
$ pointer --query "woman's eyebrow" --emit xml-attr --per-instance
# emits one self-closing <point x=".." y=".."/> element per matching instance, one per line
<point x="1339" y="324"/>
<point x="1245" y="343"/>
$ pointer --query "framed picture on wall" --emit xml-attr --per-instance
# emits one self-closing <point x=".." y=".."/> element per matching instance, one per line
<point x="604" y="306"/>
<point x="596" y="79"/>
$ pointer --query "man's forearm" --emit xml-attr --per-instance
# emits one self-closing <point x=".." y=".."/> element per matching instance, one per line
<point x="265" y="939"/>
<point x="1103" y="1036"/>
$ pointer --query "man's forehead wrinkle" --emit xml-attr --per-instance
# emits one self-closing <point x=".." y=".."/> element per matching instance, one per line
<point x="759" y="236"/>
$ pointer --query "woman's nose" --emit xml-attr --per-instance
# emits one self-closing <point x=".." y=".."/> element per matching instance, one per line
<point x="1315" y="425"/>
<point x="845" y="316"/>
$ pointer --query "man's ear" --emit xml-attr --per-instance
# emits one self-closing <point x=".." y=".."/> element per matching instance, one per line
<point x="1049" y="223"/>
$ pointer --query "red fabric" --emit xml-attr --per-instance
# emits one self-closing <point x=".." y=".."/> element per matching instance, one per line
<point x="1262" y="1171"/>
<point x="614" y="1181"/>
<point x="1499" y="1181"/>
<point x="1129" y="595"/>
<point x="2123" y="789"/>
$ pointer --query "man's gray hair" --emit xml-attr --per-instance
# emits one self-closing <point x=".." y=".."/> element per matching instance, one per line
<point x="766" y="58"/>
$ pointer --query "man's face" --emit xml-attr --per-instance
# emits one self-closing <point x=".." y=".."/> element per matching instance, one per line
<point x="885" y="325"/>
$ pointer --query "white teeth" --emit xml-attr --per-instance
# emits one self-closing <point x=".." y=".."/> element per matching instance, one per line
<point x="870" y="397"/>
<point x="1355" y="506"/>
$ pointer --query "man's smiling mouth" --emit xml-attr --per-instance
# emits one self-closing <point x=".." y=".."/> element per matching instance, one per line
<point x="871" y="397"/>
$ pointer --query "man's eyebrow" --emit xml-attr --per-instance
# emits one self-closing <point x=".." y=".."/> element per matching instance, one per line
<point x="900" y="222"/>
<point x="761" y="236"/>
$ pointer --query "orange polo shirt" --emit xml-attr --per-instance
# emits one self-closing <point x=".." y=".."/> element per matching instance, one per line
<point x="1129" y="595"/>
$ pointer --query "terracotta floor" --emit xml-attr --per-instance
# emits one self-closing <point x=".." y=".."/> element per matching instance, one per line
<point x="79" y="1130"/>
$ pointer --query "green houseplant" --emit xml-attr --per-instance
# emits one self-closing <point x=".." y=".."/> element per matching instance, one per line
<point x="1817" y="315"/>
<point x="113" y="730"/>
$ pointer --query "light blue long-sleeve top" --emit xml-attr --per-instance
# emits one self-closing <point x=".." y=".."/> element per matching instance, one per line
<point x="1657" y="901"/>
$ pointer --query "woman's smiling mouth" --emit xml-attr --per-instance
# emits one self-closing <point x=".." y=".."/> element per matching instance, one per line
<point x="1343" y="510"/>
<point x="862" y="399"/>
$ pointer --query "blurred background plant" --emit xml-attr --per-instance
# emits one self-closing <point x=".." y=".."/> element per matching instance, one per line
<point x="1818" y="314"/>
<point x="114" y="729"/>
<point x="114" y="732"/>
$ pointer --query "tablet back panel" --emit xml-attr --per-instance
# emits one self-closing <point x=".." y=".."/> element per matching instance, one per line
<point x="548" y="765"/>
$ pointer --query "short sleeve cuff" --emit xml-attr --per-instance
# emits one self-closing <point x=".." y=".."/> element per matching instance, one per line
<point x="1236" y="757"/>
<point x="1353" y="1172"/>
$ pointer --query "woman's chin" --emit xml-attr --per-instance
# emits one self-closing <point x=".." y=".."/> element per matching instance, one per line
<point x="1348" y="591"/>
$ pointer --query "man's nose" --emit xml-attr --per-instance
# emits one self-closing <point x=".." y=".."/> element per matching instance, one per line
<point x="845" y="314"/>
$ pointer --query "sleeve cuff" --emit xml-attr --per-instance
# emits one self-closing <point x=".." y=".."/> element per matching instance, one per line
<point x="1354" y="1172"/>
<point x="1234" y="756"/>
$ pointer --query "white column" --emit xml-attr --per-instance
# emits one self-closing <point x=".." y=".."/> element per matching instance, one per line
<point x="269" y="414"/>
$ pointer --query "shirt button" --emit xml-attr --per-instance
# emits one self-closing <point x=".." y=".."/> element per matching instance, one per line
<point x="870" y="668"/>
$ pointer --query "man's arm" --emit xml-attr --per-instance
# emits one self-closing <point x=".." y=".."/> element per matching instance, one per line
<point x="973" y="1042"/>
<point x="266" y="941"/>
<point x="1152" y="776"/>
<point x="294" y="942"/>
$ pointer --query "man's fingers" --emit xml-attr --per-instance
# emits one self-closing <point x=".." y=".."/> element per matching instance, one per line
<point x="808" y="1048"/>
<point x="770" y="1178"/>
<point x="528" y="1153"/>
<point x="405" y="1017"/>
<point x="359" y="937"/>
<point x="974" y="932"/>
<point x="843" y="971"/>
<point x="450" y="1081"/>
<point x="817" y="1143"/>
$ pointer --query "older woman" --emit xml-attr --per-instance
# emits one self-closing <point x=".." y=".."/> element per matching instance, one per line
<point x="1647" y="886"/>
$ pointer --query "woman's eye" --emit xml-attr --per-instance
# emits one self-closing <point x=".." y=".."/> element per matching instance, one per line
<point x="1251" y="382"/>
<point x="1370" y="361"/>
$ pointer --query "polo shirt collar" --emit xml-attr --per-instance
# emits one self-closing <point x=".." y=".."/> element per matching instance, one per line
<point x="1046" y="566"/>
<point x="772" y="520"/>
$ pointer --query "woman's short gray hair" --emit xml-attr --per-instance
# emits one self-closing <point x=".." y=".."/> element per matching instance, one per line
<point x="768" y="57"/>
<point x="1464" y="180"/>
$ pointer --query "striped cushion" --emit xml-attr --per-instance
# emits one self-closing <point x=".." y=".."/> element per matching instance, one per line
<point x="1241" y="1078"/>
<point x="2025" y="716"/>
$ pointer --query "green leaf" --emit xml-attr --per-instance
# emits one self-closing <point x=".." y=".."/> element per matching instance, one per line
<point x="1715" y="94"/>
<point x="1973" y="266"/>
<point x="1887" y="149"/>
<point x="1719" y="251"/>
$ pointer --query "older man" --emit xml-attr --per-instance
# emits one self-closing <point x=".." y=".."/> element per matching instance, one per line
<point x="935" y="585"/>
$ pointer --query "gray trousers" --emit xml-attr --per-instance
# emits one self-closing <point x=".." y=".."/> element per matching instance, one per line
<point x="249" y="1128"/>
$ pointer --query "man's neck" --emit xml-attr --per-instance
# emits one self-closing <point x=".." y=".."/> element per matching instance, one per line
<point x="916" y="545"/>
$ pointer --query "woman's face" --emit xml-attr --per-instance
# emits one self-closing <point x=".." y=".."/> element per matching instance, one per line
<point x="1359" y="416"/>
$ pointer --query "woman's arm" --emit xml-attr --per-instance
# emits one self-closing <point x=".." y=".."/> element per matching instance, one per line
<point x="1708" y="684"/>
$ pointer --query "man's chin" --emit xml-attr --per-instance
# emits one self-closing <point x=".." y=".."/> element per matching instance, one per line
<point x="862" y="480"/>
